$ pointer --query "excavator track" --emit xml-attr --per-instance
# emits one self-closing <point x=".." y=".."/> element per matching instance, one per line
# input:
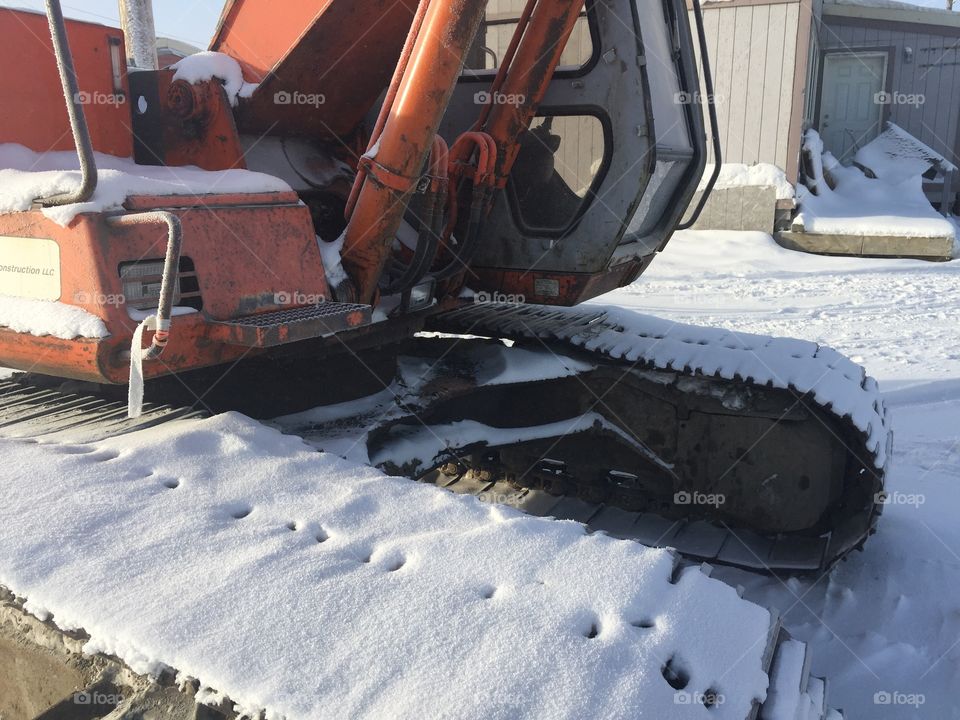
<point x="767" y="389"/>
<point x="721" y="385"/>
<point x="586" y="345"/>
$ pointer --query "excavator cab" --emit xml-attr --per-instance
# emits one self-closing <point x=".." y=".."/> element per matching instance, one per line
<point x="608" y="165"/>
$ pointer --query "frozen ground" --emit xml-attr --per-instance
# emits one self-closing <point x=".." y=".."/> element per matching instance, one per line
<point x="884" y="625"/>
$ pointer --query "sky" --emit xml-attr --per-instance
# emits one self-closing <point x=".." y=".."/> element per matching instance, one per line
<point x="192" y="21"/>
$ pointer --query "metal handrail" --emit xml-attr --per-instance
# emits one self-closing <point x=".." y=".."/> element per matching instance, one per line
<point x="78" y="121"/>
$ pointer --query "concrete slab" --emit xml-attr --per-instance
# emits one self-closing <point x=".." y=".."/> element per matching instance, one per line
<point x="921" y="248"/>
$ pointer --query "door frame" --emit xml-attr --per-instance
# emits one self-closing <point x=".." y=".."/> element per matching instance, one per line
<point x="888" y="52"/>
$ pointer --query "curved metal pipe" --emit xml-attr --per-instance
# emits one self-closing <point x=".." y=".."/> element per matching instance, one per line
<point x="78" y="122"/>
<point x="171" y="266"/>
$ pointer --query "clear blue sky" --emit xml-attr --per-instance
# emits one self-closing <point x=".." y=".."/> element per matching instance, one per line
<point x="191" y="21"/>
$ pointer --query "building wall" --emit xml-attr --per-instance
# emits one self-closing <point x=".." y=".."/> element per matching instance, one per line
<point x="754" y="49"/>
<point x="934" y="73"/>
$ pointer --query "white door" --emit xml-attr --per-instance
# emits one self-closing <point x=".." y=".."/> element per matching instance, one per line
<point x="851" y="101"/>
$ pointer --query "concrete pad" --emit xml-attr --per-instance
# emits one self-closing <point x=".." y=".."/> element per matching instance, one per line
<point x="921" y="248"/>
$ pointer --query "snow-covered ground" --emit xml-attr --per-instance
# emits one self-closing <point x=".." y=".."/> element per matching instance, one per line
<point x="885" y="624"/>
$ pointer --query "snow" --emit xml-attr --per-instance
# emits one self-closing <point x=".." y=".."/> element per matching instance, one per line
<point x="295" y="581"/>
<point x="46" y="317"/>
<point x="895" y="155"/>
<point x="784" y="698"/>
<point x="207" y="65"/>
<point x="26" y="175"/>
<point x="758" y="175"/>
<point x="885" y="623"/>
<point x="865" y="206"/>
<point x="332" y="265"/>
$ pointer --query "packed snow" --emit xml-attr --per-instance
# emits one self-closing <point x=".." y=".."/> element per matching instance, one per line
<point x="312" y="587"/>
<point x="26" y="175"/>
<point x="860" y="205"/>
<point x="884" y="625"/>
<point x="47" y="317"/>
<point x="756" y="175"/>
<point x="207" y="65"/>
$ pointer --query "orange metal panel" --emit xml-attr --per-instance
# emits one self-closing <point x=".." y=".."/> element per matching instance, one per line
<point x="199" y="127"/>
<point x="248" y="259"/>
<point x="33" y="112"/>
<point x="321" y="66"/>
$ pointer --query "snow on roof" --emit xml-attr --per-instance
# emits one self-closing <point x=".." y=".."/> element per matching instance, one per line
<point x="298" y="582"/>
<point x="26" y="175"/>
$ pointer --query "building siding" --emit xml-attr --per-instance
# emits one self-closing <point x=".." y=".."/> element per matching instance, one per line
<point x="933" y="73"/>
<point x="753" y="50"/>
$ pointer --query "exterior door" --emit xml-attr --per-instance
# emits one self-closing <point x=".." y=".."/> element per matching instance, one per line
<point x="851" y="101"/>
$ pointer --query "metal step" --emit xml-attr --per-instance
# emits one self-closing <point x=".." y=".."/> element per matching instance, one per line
<point x="286" y="326"/>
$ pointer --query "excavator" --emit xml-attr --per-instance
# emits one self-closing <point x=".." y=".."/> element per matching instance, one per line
<point x="433" y="190"/>
<point x="406" y="200"/>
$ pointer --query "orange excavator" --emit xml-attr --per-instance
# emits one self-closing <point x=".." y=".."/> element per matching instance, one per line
<point x="407" y="197"/>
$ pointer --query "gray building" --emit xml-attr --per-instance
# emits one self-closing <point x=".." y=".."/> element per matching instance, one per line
<point x="841" y="67"/>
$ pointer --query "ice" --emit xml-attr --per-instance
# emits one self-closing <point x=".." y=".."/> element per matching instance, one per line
<point x="298" y="582"/>
<point x="26" y="176"/>
<point x="46" y="317"/>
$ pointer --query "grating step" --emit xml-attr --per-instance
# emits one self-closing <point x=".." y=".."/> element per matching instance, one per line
<point x="286" y="326"/>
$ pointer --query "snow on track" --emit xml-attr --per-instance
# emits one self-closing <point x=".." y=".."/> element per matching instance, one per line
<point x="298" y="582"/>
<point x="884" y="626"/>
